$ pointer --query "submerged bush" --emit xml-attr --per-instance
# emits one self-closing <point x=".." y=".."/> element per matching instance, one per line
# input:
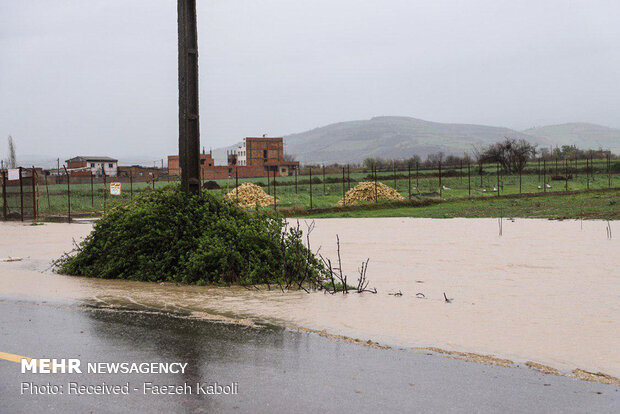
<point x="167" y="235"/>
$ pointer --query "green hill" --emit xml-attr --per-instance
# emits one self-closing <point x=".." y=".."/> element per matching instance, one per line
<point x="393" y="137"/>
<point x="582" y="135"/>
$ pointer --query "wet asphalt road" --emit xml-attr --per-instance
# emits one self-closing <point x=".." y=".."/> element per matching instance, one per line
<point x="277" y="371"/>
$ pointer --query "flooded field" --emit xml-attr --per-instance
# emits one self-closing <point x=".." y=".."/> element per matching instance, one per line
<point x="543" y="291"/>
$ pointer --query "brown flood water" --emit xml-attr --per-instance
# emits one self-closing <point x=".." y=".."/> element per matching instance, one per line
<point x="545" y="291"/>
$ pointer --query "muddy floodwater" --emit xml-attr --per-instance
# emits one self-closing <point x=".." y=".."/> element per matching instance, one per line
<point x="543" y="291"/>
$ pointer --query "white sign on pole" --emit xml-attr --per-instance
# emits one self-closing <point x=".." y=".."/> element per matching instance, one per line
<point x="13" y="174"/>
<point x="115" y="189"/>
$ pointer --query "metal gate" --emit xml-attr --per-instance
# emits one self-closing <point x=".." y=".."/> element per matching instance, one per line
<point x="19" y="194"/>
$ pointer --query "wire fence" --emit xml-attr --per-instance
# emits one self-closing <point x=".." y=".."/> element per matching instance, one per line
<point x="31" y="194"/>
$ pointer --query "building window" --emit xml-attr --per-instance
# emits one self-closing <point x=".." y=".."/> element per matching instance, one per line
<point x="92" y="164"/>
<point x="110" y="165"/>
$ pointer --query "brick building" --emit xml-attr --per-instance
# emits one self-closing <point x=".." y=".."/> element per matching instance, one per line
<point x="256" y="157"/>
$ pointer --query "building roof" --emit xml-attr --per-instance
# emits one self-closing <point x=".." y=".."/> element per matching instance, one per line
<point x="91" y="158"/>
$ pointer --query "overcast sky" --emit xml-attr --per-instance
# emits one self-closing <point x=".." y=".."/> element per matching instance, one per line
<point x="100" y="76"/>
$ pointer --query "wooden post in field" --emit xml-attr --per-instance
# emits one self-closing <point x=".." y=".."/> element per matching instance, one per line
<point x="348" y="177"/>
<point x="324" y="192"/>
<point x="105" y="191"/>
<point x="394" y="175"/>
<point x="409" y="178"/>
<point x="68" y="194"/>
<point x="468" y="179"/>
<point x="130" y="185"/>
<point x="375" y="177"/>
<point x="587" y="173"/>
<point x="344" y="201"/>
<point x="417" y="176"/>
<point x="609" y="169"/>
<point x="47" y="191"/>
<point x="34" y="195"/>
<point x="440" y="184"/>
<point x="544" y="175"/>
<point x="461" y="172"/>
<point x="21" y="193"/>
<point x="268" y="183"/>
<point x="520" y="179"/>
<point x="296" y="169"/>
<point x="498" y="179"/>
<point x="575" y="167"/>
<point x="565" y="174"/>
<point x="275" y="200"/>
<point x="310" y="187"/>
<point x="538" y="170"/>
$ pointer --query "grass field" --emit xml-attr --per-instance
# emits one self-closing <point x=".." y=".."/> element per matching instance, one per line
<point x="328" y="190"/>
<point x="599" y="204"/>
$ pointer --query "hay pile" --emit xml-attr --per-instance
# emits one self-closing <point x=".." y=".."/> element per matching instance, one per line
<point x="365" y="191"/>
<point x="250" y="195"/>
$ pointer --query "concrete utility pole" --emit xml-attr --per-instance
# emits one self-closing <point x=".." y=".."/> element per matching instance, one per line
<point x="189" y="127"/>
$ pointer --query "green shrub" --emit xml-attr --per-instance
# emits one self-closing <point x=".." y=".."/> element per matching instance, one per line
<point x="167" y="235"/>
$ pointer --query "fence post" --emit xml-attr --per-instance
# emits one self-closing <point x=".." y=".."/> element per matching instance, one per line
<point x="268" y="182"/>
<point x="275" y="200"/>
<point x="375" y="177"/>
<point x="538" y="170"/>
<point x="324" y="178"/>
<point x="310" y="187"/>
<point x="344" y="199"/>
<point x="237" y="184"/>
<point x="409" y="178"/>
<point x="92" y="190"/>
<point x="4" y="206"/>
<point x="394" y="175"/>
<point x="47" y="191"/>
<point x="520" y="178"/>
<point x="461" y="172"/>
<point x="498" y="179"/>
<point x="68" y="194"/>
<point x="296" y="169"/>
<point x="575" y="167"/>
<point x="130" y="185"/>
<point x="417" y="176"/>
<point x="348" y="177"/>
<point x="21" y="193"/>
<point x="105" y="192"/>
<point x="609" y="170"/>
<point x="440" y="185"/>
<point x="566" y="174"/>
<point x="468" y="179"/>
<point x="544" y="175"/>
<point x="34" y="195"/>
<point x="587" y="173"/>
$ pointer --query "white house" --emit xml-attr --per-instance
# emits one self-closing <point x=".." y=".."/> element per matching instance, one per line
<point x="96" y="164"/>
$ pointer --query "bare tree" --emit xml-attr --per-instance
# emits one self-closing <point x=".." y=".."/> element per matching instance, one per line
<point x="289" y="157"/>
<point x="11" y="161"/>
<point x="511" y="154"/>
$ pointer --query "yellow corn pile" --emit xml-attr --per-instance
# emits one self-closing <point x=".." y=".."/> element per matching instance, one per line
<point x="365" y="191"/>
<point x="249" y="195"/>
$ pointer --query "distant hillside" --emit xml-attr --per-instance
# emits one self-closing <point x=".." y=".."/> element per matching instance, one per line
<point x="393" y="137"/>
<point x="582" y="135"/>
